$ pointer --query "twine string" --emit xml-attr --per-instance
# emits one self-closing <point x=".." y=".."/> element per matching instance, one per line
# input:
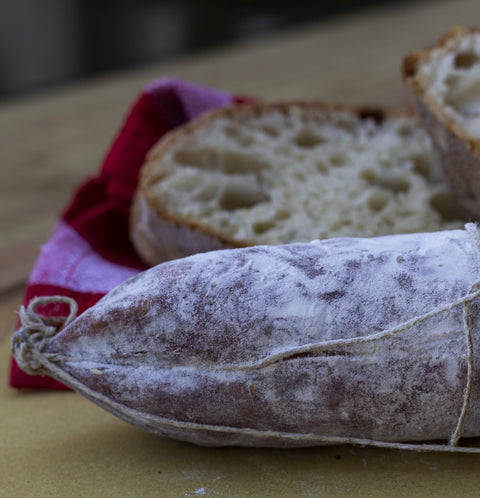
<point x="29" y="343"/>
<point x="469" y="359"/>
<point x="318" y="347"/>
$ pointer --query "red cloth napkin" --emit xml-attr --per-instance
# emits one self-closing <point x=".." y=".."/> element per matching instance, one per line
<point x="89" y="251"/>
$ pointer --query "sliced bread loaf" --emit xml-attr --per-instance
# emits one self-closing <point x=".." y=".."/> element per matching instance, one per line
<point x="279" y="173"/>
<point x="445" y="84"/>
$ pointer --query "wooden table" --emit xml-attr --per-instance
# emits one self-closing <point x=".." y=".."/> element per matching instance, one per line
<point x="53" y="140"/>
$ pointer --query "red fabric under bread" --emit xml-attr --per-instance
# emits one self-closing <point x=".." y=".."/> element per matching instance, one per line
<point x="91" y="239"/>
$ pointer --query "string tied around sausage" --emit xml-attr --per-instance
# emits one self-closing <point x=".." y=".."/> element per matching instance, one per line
<point x="29" y="343"/>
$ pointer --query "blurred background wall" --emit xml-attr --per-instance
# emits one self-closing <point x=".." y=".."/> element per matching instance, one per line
<point x="49" y="42"/>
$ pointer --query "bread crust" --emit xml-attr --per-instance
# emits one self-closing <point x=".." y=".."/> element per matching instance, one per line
<point x="458" y="152"/>
<point x="160" y="235"/>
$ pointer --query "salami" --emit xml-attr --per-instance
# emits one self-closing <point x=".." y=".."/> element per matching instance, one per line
<point x="370" y="341"/>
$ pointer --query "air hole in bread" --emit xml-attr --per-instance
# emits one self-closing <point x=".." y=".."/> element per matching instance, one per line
<point x="321" y="167"/>
<point x="396" y="183"/>
<point x="357" y="147"/>
<point x="307" y="138"/>
<point x="282" y="214"/>
<point x="345" y="123"/>
<point x="368" y="175"/>
<point x="404" y="131"/>
<point x="345" y="223"/>
<point x="241" y="195"/>
<point x="238" y="135"/>
<point x="389" y="180"/>
<point x="421" y="165"/>
<point x="377" y="201"/>
<point x="465" y="60"/>
<point x="260" y="227"/>
<point x="200" y="158"/>
<point x="447" y="207"/>
<point x="338" y="159"/>
<point x="388" y="221"/>
<point x="299" y="176"/>
<point x="271" y="131"/>
<point x="237" y="162"/>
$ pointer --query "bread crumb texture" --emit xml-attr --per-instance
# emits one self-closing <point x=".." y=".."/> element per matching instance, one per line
<point x="450" y="75"/>
<point x="299" y="173"/>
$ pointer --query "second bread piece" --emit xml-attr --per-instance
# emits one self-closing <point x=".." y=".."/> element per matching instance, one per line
<point x="280" y="173"/>
<point x="445" y="83"/>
